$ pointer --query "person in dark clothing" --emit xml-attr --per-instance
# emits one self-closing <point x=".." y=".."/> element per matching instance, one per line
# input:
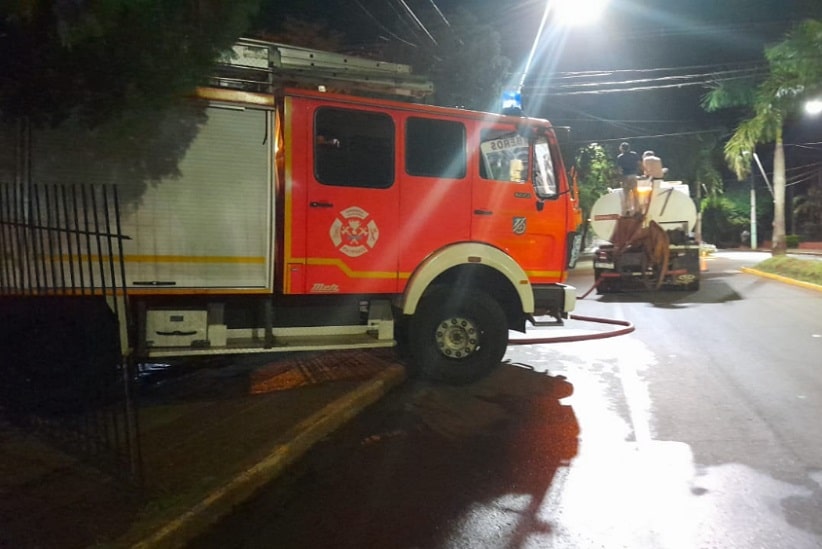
<point x="628" y="161"/>
<point x="630" y="166"/>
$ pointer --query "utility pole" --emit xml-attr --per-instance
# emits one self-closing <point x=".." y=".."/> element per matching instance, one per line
<point x="698" y="228"/>
<point x="753" y="212"/>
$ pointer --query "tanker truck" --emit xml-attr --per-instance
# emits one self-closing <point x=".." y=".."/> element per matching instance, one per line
<point x="651" y="249"/>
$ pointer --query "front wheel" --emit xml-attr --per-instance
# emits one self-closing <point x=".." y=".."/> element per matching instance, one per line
<point x="458" y="336"/>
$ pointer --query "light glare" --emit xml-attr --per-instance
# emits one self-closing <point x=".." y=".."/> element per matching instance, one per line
<point x="578" y="12"/>
<point x="813" y="107"/>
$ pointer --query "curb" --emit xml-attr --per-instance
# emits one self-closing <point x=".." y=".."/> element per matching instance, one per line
<point x="780" y="278"/>
<point x="194" y="521"/>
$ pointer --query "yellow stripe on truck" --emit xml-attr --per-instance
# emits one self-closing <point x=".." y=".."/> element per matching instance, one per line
<point x="349" y="272"/>
<point x="233" y="260"/>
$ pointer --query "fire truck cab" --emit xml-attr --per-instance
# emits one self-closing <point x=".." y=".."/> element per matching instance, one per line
<point x="463" y="219"/>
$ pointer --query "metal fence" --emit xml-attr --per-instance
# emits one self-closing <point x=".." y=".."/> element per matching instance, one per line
<point x="65" y="314"/>
<point x="61" y="239"/>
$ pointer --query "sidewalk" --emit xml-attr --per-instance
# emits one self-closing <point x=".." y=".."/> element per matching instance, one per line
<point x="209" y="440"/>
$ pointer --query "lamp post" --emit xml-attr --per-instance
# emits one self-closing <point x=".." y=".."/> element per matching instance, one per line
<point x="754" y="243"/>
<point x="753" y="212"/>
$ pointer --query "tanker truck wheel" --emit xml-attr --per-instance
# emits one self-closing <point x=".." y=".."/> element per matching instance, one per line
<point x="605" y="286"/>
<point x="458" y="336"/>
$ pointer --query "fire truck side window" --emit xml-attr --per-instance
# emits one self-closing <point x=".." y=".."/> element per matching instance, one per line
<point x="545" y="182"/>
<point x="353" y="148"/>
<point x="435" y="148"/>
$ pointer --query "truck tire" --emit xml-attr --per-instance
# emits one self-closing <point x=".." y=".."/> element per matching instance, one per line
<point x="458" y="336"/>
<point x="604" y="286"/>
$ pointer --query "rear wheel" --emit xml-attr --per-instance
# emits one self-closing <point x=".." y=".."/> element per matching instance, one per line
<point x="689" y="281"/>
<point x="605" y="285"/>
<point x="458" y="336"/>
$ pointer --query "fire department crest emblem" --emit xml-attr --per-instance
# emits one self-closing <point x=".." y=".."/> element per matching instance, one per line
<point x="353" y="232"/>
<point x="518" y="225"/>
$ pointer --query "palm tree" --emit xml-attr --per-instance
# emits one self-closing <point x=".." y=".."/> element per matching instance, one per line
<point x="794" y="70"/>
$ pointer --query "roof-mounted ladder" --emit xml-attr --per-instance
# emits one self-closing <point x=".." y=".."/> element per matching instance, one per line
<point x="257" y="65"/>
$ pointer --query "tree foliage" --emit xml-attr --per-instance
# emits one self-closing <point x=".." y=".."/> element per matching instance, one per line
<point x="807" y="212"/>
<point x="306" y="34"/>
<point x="596" y="173"/>
<point x="796" y="62"/>
<point x="723" y="220"/>
<point x="95" y="59"/>
<point x="695" y="161"/>
<point x="467" y="72"/>
<point x="462" y="56"/>
<point x="794" y="70"/>
<point x="452" y="48"/>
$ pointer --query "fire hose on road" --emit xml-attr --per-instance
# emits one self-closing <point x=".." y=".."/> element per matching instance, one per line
<point x="627" y="328"/>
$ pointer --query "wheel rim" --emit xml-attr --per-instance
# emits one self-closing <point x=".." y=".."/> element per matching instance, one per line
<point x="457" y="337"/>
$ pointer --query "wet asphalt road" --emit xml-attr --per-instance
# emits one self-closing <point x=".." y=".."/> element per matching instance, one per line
<point x="701" y="429"/>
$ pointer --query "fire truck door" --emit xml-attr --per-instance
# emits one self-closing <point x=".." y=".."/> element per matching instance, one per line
<point x="352" y="204"/>
<point x="509" y="213"/>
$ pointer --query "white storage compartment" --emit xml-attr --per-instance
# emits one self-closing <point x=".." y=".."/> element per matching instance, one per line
<point x="176" y="328"/>
<point x="217" y="335"/>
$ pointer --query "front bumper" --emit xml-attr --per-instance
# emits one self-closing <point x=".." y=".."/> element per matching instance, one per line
<point x="556" y="300"/>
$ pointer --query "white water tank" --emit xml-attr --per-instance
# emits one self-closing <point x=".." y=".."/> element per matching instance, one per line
<point x="668" y="203"/>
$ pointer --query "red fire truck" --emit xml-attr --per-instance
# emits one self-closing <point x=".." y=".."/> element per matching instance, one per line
<point x="312" y="212"/>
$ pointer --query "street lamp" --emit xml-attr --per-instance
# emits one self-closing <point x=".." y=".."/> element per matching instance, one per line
<point x="813" y="107"/>
<point x="568" y="13"/>
<point x="578" y="12"/>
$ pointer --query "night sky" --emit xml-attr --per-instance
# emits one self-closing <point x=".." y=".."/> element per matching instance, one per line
<point x="660" y="53"/>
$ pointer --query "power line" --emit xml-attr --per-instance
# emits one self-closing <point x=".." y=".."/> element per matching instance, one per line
<point x="654" y="136"/>
<point x="417" y="21"/>
<point x="383" y="27"/>
<point x="553" y="88"/>
<point x="401" y="19"/>
<point x="539" y="93"/>
<point x="603" y="120"/>
<point x="792" y="182"/>
<point x="608" y="72"/>
<point x="710" y="76"/>
<point x="437" y="9"/>
<point x="806" y="145"/>
<point x="627" y="120"/>
<point x="707" y="29"/>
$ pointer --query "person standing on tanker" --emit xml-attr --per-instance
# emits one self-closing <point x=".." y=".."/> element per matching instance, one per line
<point x="652" y="166"/>
<point x="630" y="166"/>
